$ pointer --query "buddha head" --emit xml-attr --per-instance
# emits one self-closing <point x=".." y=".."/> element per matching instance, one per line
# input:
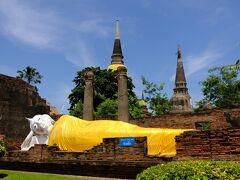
<point x="41" y="124"/>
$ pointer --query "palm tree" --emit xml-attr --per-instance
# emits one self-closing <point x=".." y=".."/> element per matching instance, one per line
<point x="29" y="74"/>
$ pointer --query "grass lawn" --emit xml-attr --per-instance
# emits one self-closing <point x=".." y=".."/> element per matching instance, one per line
<point x="22" y="175"/>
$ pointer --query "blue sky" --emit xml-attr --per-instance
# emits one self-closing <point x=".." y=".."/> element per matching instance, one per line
<point x="60" y="37"/>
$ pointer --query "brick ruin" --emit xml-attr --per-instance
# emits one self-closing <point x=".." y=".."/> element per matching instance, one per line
<point x="217" y="118"/>
<point x="215" y="139"/>
<point x="222" y="144"/>
<point x="110" y="159"/>
<point x="18" y="100"/>
<point x="107" y="159"/>
<point x="208" y="119"/>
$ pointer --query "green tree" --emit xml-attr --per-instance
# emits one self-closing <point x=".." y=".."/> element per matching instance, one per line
<point x="135" y="108"/>
<point x="235" y="66"/>
<point x="201" y="105"/>
<point x="105" y="87"/>
<point x="222" y="87"/>
<point x="157" y="100"/>
<point x="107" y="108"/>
<point x="29" y="74"/>
<point x="78" y="110"/>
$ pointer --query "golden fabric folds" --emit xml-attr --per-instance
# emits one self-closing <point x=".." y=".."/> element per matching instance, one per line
<point x="73" y="134"/>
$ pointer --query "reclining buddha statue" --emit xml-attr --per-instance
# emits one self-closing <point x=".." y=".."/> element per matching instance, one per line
<point x="73" y="134"/>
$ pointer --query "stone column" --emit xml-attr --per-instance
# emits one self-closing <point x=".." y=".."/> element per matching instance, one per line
<point x="123" y="114"/>
<point x="88" y="96"/>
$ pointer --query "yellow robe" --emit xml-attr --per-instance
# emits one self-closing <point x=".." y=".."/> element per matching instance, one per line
<point x="73" y="134"/>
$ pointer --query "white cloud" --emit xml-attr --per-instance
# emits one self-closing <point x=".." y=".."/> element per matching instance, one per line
<point x="172" y="78"/>
<point x="24" y="23"/>
<point x="94" y="26"/>
<point x="195" y="63"/>
<point x="45" y="29"/>
<point x="80" y="55"/>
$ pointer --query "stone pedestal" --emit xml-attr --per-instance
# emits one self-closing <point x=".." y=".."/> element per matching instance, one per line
<point x="123" y="114"/>
<point x="88" y="96"/>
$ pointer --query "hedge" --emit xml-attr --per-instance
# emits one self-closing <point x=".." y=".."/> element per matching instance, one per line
<point x="191" y="170"/>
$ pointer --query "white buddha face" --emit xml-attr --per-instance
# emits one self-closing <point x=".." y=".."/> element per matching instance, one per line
<point x="41" y="124"/>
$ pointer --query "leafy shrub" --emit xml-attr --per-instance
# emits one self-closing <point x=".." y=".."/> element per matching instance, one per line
<point x="107" y="108"/>
<point x="2" y="148"/>
<point x="191" y="170"/>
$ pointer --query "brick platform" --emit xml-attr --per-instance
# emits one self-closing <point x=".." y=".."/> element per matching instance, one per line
<point x="107" y="160"/>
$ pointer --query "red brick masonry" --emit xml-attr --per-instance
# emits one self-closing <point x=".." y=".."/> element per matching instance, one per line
<point x="107" y="159"/>
<point x="213" y="144"/>
<point x="215" y="117"/>
<point x="109" y="150"/>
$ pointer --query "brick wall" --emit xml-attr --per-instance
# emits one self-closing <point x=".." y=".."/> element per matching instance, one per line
<point x="215" y="117"/>
<point x="110" y="150"/>
<point x="213" y="144"/>
<point x="18" y="100"/>
<point x="108" y="159"/>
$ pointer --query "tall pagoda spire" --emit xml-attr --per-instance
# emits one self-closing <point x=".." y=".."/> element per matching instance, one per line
<point x="180" y="75"/>
<point x="117" y="56"/>
<point x="180" y="101"/>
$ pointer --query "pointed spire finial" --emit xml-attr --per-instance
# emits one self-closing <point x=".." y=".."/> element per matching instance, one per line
<point x="117" y="36"/>
<point x="117" y="57"/>
<point x="179" y="53"/>
<point x="142" y="95"/>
